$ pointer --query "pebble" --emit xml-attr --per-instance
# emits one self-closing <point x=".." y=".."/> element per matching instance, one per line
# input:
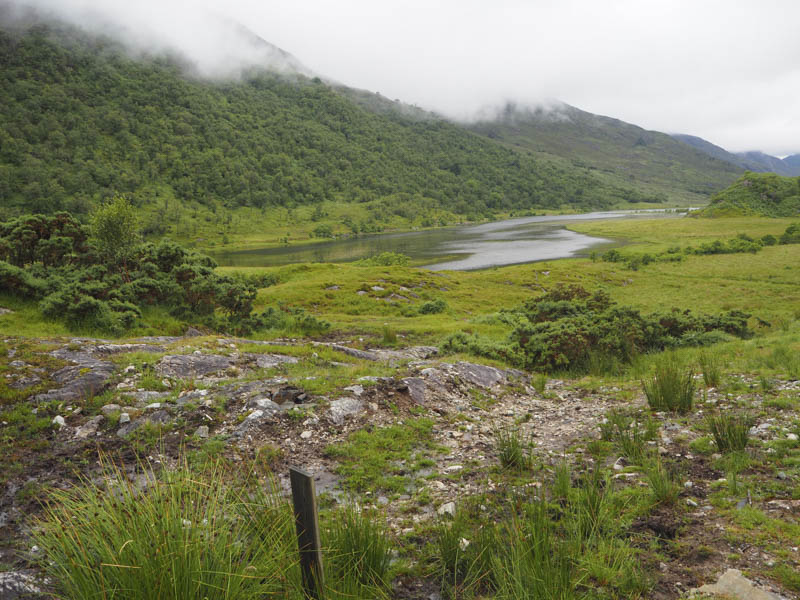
<point x="59" y="421"/>
<point x="791" y="436"/>
<point x="124" y="418"/>
<point x="691" y="502"/>
<point x="306" y="435"/>
<point x="202" y="431"/>
<point x="110" y="409"/>
<point x="449" y="508"/>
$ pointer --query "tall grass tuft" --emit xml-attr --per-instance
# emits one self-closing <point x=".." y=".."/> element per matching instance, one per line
<point x="532" y="562"/>
<point x="671" y="388"/>
<point x="185" y="535"/>
<point x="711" y="366"/>
<point x="358" y="549"/>
<point x="731" y="432"/>
<point x="663" y="483"/>
<point x="513" y="448"/>
<point x="539" y="382"/>
<point x="629" y="435"/>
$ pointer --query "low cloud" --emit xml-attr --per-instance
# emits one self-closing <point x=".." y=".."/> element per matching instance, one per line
<point x="726" y="71"/>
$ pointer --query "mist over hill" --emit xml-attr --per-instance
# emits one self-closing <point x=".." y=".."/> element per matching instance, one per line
<point x="83" y="120"/>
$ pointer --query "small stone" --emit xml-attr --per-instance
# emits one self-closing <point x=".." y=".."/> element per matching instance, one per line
<point x="59" y="421"/>
<point x="306" y="435"/>
<point x="691" y="503"/>
<point x="791" y="436"/>
<point x="202" y="432"/>
<point x="448" y="508"/>
<point x="437" y="485"/>
<point x="383" y="500"/>
<point x="153" y="406"/>
<point x="377" y="288"/>
<point x="89" y="428"/>
<point x="453" y="468"/>
<point x="688" y="485"/>
<point x="124" y="418"/>
<point x="782" y="475"/>
<point x="192" y="332"/>
<point x="110" y="409"/>
<point x="129" y="369"/>
<point x="166" y="383"/>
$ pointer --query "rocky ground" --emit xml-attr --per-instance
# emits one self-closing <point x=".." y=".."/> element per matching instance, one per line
<point x="293" y="403"/>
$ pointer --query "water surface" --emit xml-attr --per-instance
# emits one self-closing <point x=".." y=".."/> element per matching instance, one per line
<point x="513" y="241"/>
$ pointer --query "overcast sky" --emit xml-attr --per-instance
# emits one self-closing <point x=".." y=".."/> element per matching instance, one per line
<point x="725" y="70"/>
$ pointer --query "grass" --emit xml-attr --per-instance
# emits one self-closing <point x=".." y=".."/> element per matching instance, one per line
<point x="530" y="547"/>
<point x="186" y="535"/>
<point x="358" y="548"/>
<point x="731" y="432"/>
<point x="671" y="388"/>
<point x="711" y="367"/>
<point x="629" y="435"/>
<point x="384" y="458"/>
<point x="663" y="483"/>
<point x="513" y="448"/>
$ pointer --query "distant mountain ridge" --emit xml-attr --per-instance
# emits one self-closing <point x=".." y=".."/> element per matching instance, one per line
<point x="751" y="161"/>
<point x="609" y="146"/>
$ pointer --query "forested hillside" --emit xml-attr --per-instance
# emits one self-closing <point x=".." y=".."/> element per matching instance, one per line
<point x="80" y="121"/>
<point x="764" y="194"/>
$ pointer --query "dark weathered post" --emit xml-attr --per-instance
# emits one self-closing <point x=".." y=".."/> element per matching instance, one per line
<point x="304" y="498"/>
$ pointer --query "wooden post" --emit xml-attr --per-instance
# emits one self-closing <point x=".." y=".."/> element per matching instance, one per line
<point x="304" y="498"/>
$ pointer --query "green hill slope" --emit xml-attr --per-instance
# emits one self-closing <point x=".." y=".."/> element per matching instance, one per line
<point x="81" y="121"/>
<point x="764" y="194"/>
<point x="613" y="148"/>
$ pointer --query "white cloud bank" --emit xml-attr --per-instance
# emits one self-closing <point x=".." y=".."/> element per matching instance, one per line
<point x="726" y="70"/>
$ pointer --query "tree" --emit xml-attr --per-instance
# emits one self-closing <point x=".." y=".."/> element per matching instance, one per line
<point x="114" y="229"/>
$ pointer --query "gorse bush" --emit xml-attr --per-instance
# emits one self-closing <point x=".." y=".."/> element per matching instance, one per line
<point x="433" y="307"/>
<point x="385" y="259"/>
<point x="570" y="329"/>
<point x="671" y="388"/>
<point x="105" y="282"/>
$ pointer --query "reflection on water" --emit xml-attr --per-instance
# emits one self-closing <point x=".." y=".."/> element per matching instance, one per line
<point x="513" y="241"/>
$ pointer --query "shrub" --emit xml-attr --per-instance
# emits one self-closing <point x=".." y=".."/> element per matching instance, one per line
<point x="731" y="432"/>
<point x="433" y="307"/>
<point x="569" y="329"/>
<point x="385" y="259"/>
<point x="478" y="345"/>
<point x="671" y="388"/>
<point x="114" y="230"/>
